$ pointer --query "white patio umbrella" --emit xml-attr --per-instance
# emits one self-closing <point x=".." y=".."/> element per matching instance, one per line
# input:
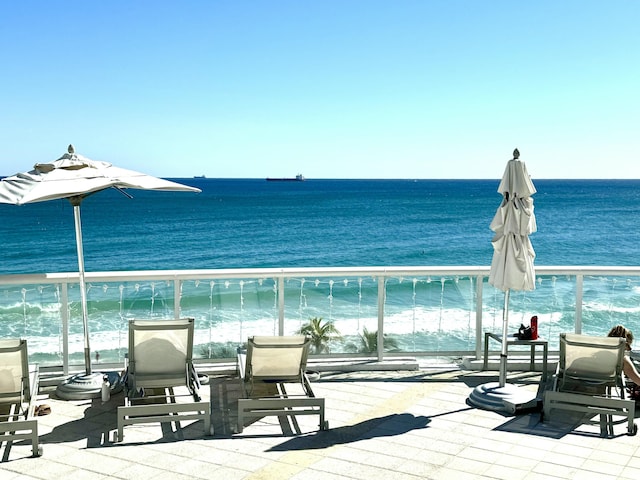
<point x="511" y="267"/>
<point x="75" y="177"/>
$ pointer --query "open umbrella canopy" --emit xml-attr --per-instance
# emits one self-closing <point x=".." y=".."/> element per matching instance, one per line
<point x="75" y="175"/>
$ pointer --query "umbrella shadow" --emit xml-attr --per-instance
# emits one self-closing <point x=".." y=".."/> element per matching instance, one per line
<point x="387" y="426"/>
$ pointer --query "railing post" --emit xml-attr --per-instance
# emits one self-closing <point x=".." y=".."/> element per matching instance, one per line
<point x="64" y="312"/>
<point x="177" y="293"/>
<point x="479" y="303"/>
<point x="281" y="305"/>
<point x="578" y="320"/>
<point x="381" y="298"/>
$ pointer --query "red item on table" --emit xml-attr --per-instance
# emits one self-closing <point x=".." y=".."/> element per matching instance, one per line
<point x="534" y="327"/>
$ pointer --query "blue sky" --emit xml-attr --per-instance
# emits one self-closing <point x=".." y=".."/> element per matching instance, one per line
<point x="330" y="89"/>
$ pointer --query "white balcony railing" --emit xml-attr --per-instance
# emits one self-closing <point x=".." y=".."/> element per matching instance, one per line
<point x="424" y="311"/>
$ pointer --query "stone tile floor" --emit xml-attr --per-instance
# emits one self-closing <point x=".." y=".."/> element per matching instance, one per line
<point x="400" y="425"/>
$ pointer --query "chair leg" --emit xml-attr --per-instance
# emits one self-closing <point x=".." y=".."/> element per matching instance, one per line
<point x="606" y="429"/>
<point x="35" y="446"/>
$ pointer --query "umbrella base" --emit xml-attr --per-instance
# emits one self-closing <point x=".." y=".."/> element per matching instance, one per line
<point x="508" y="398"/>
<point x="83" y="386"/>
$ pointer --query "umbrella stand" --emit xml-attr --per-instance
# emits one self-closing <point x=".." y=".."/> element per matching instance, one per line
<point x="500" y="395"/>
<point x="89" y="384"/>
<point x="511" y="268"/>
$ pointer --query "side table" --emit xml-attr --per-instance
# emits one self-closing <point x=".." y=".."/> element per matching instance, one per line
<point x="516" y="341"/>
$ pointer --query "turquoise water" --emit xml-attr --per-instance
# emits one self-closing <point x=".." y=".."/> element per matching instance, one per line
<point x="238" y="223"/>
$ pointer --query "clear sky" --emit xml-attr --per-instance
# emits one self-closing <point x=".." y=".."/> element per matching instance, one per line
<point x="329" y="89"/>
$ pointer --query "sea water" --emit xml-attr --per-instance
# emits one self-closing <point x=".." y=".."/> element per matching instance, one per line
<point x="236" y="223"/>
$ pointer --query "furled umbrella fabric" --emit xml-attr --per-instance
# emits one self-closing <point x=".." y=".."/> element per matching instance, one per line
<point x="512" y="264"/>
<point x="74" y="177"/>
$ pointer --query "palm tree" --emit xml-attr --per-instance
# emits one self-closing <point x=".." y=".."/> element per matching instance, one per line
<point x="321" y="333"/>
<point x="369" y="342"/>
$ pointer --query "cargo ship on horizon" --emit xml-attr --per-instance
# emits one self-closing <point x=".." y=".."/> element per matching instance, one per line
<point x="297" y="178"/>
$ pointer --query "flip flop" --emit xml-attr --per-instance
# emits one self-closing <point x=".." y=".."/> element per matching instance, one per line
<point x="43" y="409"/>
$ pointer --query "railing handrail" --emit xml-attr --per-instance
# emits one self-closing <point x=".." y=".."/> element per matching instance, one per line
<point x="133" y="275"/>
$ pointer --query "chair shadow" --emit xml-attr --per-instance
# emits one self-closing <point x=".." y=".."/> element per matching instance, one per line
<point x="100" y="422"/>
<point x="225" y="391"/>
<point x="94" y="427"/>
<point x="557" y="427"/>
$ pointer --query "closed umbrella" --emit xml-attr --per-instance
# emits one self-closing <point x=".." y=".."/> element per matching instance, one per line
<point x="512" y="264"/>
<point x="75" y="177"/>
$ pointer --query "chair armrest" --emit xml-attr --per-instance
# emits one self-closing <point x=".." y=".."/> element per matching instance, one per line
<point x="241" y="361"/>
<point x="34" y="385"/>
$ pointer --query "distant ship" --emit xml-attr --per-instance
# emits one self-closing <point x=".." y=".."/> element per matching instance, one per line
<point x="297" y="178"/>
<point x="199" y="176"/>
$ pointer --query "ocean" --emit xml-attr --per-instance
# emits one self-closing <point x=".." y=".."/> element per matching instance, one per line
<point x="236" y="223"/>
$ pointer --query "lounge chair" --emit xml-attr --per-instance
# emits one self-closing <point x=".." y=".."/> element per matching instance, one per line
<point x="18" y="390"/>
<point x="274" y="362"/>
<point x="160" y="359"/>
<point x="589" y="379"/>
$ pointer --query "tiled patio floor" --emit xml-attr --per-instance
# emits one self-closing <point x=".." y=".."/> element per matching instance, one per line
<point x="383" y="425"/>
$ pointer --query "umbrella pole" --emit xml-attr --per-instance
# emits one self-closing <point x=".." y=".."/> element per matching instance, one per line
<point x="503" y="353"/>
<point x="83" y="290"/>
<point x="87" y="385"/>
